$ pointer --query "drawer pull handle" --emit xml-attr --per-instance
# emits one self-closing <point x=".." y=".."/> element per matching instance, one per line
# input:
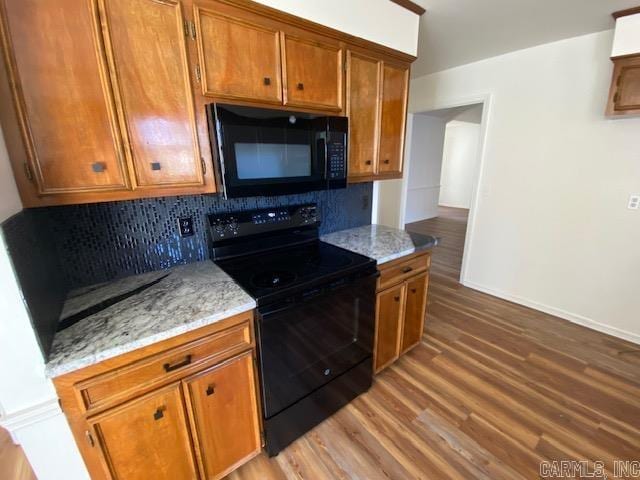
<point x="159" y="413"/>
<point x="396" y="298"/>
<point x="210" y="390"/>
<point x="386" y="162"/>
<point x="168" y="367"/>
<point x="368" y="162"/>
<point x="301" y="86"/>
<point x="406" y="269"/>
<point x="267" y="81"/>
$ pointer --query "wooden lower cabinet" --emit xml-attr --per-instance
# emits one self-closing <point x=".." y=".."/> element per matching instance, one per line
<point x="222" y="403"/>
<point x="197" y="419"/>
<point x="400" y="308"/>
<point x="147" y="438"/>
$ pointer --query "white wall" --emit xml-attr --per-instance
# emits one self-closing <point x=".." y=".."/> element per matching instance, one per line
<point x="551" y="226"/>
<point x="29" y="405"/>
<point x="626" y="40"/>
<point x="422" y="168"/>
<point x="459" y="163"/>
<point x="380" y="21"/>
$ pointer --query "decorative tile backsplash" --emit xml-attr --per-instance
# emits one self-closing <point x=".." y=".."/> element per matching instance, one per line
<point x="103" y="241"/>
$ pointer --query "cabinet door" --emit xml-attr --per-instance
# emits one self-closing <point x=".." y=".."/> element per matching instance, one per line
<point x="312" y="74"/>
<point x="65" y="98"/>
<point x="395" y="85"/>
<point x="224" y="416"/>
<point x="389" y="313"/>
<point x="624" y="98"/>
<point x="239" y="60"/>
<point x="415" y="311"/>
<point x="147" y="438"/>
<point x="149" y="58"/>
<point x="363" y="97"/>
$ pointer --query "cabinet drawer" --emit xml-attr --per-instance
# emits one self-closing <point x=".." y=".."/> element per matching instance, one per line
<point x="141" y="376"/>
<point x="400" y="270"/>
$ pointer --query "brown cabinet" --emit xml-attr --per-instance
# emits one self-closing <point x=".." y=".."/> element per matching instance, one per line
<point x="239" y="59"/>
<point x="186" y="407"/>
<point x="146" y="438"/>
<point x="401" y="307"/>
<point x="146" y="42"/>
<point x="363" y="97"/>
<point x="389" y="314"/>
<point x="395" y="87"/>
<point x="312" y="73"/>
<point x="377" y="108"/>
<point x="222" y="402"/>
<point x="624" y="97"/>
<point x="69" y="137"/>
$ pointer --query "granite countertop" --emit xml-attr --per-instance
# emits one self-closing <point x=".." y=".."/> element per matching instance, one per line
<point x="380" y="242"/>
<point x="113" y="318"/>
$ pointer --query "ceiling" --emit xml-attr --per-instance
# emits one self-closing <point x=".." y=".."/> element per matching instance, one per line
<point x="457" y="32"/>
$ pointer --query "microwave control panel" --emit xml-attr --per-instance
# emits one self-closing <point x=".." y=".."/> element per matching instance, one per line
<point x="336" y="160"/>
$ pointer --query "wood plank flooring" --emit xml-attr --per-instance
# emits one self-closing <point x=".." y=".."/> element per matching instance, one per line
<point x="13" y="462"/>
<point x="493" y="390"/>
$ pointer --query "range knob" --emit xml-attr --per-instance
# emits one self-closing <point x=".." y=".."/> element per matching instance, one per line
<point x="232" y="225"/>
<point x="218" y="227"/>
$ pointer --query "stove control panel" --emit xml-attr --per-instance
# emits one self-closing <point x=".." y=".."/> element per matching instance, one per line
<point x="227" y="226"/>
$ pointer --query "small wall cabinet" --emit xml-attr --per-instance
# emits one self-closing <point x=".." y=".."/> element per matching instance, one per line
<point x="624" y="96"/>
<point x="377" y="109"/>
<point x="184" y="408"/>
<point x="400" y="308"/>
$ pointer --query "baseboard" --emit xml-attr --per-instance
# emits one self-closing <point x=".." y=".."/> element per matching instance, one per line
<point x="26" y="417"/>
<point x="557" y="312"/>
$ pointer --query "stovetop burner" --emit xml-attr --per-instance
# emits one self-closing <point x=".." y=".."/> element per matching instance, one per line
<point x="273" y="279"/>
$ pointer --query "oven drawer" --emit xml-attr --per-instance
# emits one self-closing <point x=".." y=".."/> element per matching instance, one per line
<point x="118" y="385"/>
<point x="399" y="270"/>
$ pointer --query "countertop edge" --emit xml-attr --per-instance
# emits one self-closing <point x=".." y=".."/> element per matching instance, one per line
<point x="57" y="371"/>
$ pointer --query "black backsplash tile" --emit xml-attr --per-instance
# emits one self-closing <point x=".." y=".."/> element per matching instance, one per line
<point x="38" y="271"/>
<point x="103" y="241"/>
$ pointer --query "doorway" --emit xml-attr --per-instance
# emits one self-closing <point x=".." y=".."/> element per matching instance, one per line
<point x="442" y="171"/>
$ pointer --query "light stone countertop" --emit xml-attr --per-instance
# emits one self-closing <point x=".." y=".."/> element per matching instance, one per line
<point x="379" y="242"/>
<point x="175" y="301"/>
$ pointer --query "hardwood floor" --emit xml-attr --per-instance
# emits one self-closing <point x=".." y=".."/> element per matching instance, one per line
<point x="13" y="463"/>
<point x="493" y="390"/>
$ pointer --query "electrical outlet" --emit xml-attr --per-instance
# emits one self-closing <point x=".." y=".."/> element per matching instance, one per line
<point x="634" y="202"/>
<point x="186" y="226"/>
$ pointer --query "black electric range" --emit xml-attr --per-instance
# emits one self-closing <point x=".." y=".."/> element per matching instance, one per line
<point x="315" y="316"/>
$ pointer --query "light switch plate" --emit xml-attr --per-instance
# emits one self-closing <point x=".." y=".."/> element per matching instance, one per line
<point x="634" y="202"/>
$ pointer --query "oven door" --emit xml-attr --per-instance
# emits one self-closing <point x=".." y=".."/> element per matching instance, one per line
<point x="269" y="152"/>
<point x="307" y="340"/>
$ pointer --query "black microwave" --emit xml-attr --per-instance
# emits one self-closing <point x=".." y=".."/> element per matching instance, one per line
<point x="269" y="152"/>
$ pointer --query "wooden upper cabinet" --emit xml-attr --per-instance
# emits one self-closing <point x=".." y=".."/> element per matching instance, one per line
<point x="390" y="310"/>
<point x="146" y="438"/>
<point x="224" y="416"/>
<point x="363" y="97"/>
<point x="415" y="311"/>
<point x="395" y="87"/>
<point x="63" y="97"/>
<point x="239" y="59"/>
<point x="313" y="73"/>
<point x="146" y="42"/>
<point x="624" y="98"/>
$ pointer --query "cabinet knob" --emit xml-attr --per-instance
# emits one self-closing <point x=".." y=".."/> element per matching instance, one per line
<point x="396" y="298"/>
<point x="368" y="162"/>
<point x="387" y="162"/>
<point x="155" y="166"/>
<point x="267" y="81"/>
<point x="98" y="167"/>
<point x="301" y="86"/>
<point x="407" y="269"/>
<point x="210" y="390"/>
<point x="413" y="290"/>
<point x="159" y="413"/>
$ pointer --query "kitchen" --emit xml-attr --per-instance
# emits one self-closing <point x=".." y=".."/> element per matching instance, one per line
<point x="196" y="246"/>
